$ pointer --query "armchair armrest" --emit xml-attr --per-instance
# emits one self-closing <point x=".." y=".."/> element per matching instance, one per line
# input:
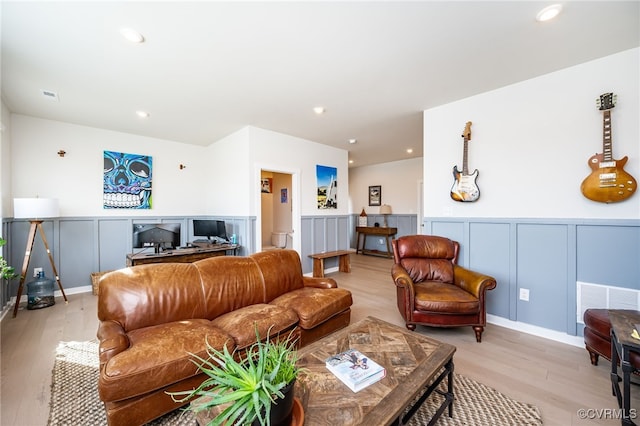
<point x="473" y="282"/>
<point x="318" y="282"/>
<point x="113" y="340"/>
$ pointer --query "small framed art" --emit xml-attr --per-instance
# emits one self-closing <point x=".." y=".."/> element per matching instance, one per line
<point x="375" y="195"/>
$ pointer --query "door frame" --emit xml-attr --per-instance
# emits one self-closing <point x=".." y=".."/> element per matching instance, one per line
<point x="294" y="198"/>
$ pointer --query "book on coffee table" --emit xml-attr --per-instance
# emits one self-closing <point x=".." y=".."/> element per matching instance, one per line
<point x="355" y="370"/>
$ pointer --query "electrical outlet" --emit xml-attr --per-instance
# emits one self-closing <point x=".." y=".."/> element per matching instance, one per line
<point x="36" y="272"/>
<point x="380" y="241"/>
<point x="524" y="294"/>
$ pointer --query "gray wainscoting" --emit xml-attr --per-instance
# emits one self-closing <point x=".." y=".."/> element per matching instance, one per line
<point x="547" y="257"/>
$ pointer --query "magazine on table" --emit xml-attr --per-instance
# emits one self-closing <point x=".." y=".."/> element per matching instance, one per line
<point x="355" y="370"/>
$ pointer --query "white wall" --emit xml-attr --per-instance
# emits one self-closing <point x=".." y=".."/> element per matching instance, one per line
<point x="531" y="142"/>
<point x="76" y="179"/>
<point x="399" y="181"/>
<point x="5" y="163"/>
<point x="281" y="153"/>
<point x="229" y="175"/>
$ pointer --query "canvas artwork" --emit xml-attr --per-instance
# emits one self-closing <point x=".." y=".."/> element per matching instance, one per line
<point x="327" y="193"/>
<point x="265" y="185"/>
<point x="127" y="181"/>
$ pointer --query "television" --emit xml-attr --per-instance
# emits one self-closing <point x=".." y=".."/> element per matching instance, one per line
<point x="160" y="236"/>
<point x="214" y="230"/>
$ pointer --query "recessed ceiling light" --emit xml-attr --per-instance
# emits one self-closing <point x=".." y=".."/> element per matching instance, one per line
<point x="132" y="35"/>
<point x="142" y="114"/>
<point x="410" y="151"/>
<point x="319" y="110"/>
<point x="352" y="141"/>
<point x="549" y="12"/>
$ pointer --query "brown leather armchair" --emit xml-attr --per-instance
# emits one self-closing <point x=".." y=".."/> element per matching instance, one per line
<point x="432" y="289"/>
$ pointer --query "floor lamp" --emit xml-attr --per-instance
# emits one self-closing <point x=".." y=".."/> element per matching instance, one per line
<point x="35" y="209"/>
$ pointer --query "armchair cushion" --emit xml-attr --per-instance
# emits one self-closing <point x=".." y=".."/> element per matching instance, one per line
<point x="429" y="270"/>
<point x="444" y="298"/>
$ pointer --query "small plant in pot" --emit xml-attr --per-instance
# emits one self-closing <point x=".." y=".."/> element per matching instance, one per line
<point x="255" y="389"/>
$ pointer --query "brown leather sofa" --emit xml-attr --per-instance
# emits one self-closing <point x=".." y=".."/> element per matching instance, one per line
<point x="152" y="316"/>
<point x="432" y="289"/>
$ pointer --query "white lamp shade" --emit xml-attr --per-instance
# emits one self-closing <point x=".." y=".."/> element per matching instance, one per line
<point x="385" y="209"/>
<point x="35" y="208"/>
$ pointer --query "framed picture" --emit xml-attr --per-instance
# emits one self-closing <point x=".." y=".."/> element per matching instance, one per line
<point x="265" y="185"/>
<point x="375" y="195"/>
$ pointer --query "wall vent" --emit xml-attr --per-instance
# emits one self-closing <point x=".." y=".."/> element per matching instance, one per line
<point x="603" y="296"/>
<point x="50" y="95"/>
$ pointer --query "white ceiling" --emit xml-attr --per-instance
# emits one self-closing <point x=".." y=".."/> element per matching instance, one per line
<point x="208" y="69"/>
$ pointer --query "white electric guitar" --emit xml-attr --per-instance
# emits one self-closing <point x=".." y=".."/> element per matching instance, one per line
<point x="464" y="187"/>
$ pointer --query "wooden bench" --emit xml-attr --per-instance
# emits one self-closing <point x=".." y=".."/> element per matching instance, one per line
<point x="343" y="261"/>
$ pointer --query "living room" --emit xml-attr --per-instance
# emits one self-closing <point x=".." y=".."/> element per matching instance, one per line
<point x="531" y="228"/>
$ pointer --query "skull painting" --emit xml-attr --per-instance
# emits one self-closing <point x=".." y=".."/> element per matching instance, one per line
<point x="127" y="181"/>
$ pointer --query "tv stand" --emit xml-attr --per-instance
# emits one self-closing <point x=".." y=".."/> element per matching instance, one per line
<point x="188" y="255"/>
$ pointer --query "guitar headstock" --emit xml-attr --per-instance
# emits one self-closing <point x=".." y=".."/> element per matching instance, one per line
<point x="466" y="134"/>
<point x="606" y="101"/>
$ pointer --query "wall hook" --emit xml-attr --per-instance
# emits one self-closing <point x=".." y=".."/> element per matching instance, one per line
<point x="182" y="166"/>
<point x="62" y="152"/>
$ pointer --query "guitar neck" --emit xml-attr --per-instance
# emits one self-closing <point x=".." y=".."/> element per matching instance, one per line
<point x="606" y="136"/>
<point x="465" y="151"/>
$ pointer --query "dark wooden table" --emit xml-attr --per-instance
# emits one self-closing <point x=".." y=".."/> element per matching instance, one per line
<point x="415" y="365"/>
<point x="623" y="322"/>
<point x="187" y="255"/>
<point x="379" y="231"/>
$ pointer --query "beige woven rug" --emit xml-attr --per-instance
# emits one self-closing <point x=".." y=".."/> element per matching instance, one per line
<point x="75" y="401"/>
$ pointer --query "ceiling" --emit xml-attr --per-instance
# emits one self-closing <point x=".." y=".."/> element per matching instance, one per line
<point x="207" y="69"/>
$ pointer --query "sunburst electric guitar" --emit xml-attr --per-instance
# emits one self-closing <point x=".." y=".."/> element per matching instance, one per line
<point x="464" y="187"/>
<point x="608" y="182"/>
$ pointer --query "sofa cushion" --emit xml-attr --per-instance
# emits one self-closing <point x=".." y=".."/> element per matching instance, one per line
<point x="147" y="295"/>
<point x="442" y="297"/>
<point x="281" y="272"/>
<point x="229" y="283"/>
<point x="241" y="324"/>
<point x="314" y="305"/>
<point x="159" y="356"/>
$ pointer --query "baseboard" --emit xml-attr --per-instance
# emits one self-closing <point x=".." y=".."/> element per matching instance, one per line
<point x="24" y="299"/>
<point x="536" y="331"/>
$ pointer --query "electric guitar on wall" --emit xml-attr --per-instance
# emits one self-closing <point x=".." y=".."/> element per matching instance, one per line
<point x="608" y="182"/>
<point x="464" y="187"/>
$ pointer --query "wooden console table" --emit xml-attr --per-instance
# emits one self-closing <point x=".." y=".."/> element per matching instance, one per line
<point x="380" y="231"/>
<point x="186" y="255"/>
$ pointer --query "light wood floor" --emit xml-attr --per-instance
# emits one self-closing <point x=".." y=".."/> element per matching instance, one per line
<point x="555" y="377"/>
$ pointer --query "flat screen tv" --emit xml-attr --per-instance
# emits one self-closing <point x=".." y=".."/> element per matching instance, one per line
<point x="214" y="230"/>
<point x="160" y="236"/>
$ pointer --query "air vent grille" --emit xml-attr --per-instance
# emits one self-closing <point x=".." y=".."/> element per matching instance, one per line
<point x="605" y="297"/>
<point x="49" y="94"/>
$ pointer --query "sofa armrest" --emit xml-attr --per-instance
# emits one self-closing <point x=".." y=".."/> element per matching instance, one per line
<point x="473" y="282"/>
<point x="401" y="278"/>
<point x="317" y="282"/>
<point x="113" y="340"/>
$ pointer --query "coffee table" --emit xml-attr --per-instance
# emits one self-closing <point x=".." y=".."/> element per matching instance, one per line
<point x="415" y="366"/>
<point x="623" y="322"/>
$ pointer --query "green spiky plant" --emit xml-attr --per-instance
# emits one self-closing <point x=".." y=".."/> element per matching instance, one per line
<point x="6" y="272"/>
<point x="246" y="387"/>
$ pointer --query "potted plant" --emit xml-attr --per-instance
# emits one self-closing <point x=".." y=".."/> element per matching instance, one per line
<point x="6" y="272"/>
<point x="254" y="389"/>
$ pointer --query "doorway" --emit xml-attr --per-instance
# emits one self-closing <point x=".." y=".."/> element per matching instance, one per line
<point x="279" y="212"/>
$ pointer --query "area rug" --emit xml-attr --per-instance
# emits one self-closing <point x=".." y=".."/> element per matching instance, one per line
<point x="75" y="401"/>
